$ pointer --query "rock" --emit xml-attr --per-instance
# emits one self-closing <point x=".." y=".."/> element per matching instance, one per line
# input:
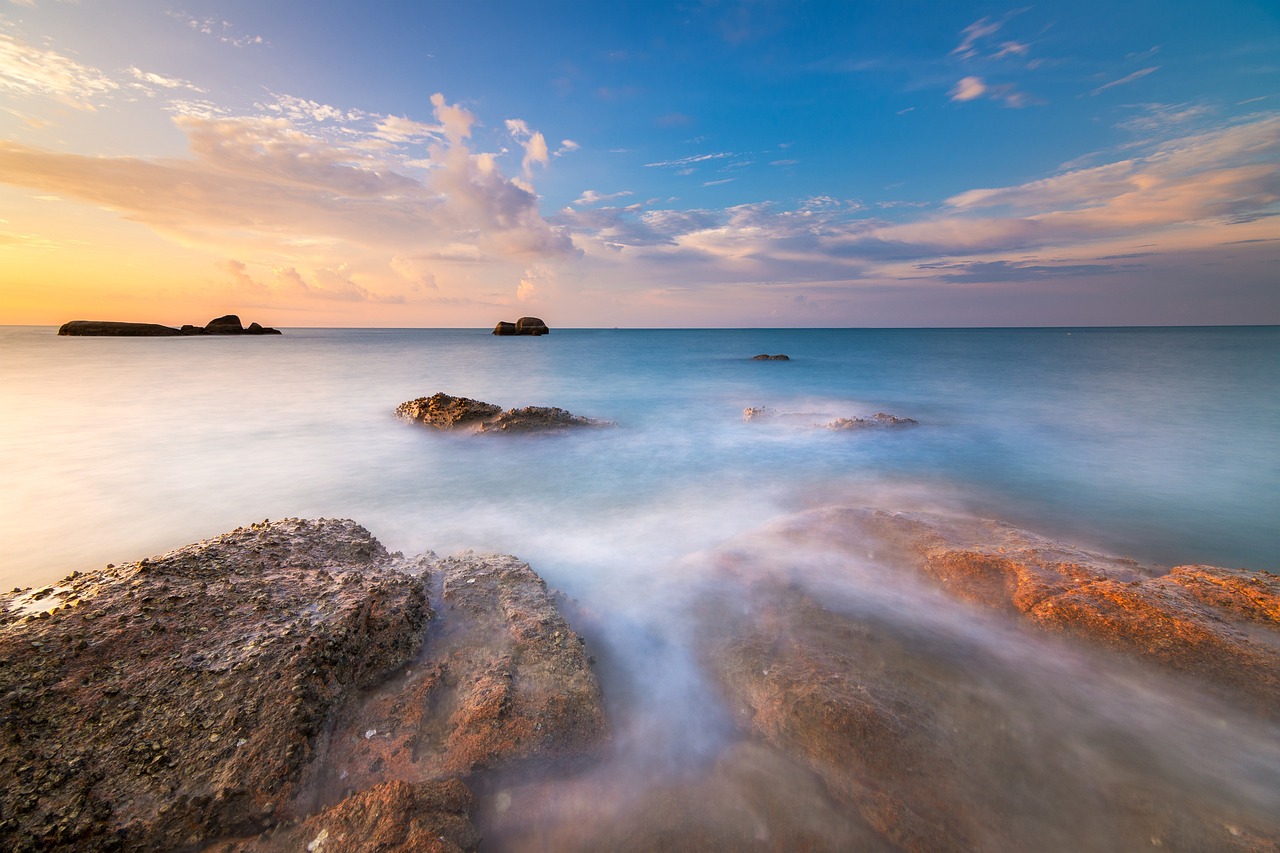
<point x="444" y="412"/>
<point x="391" y="817"/>
<point x="879" y="419"/>
<point x="504" y="681"/>
<point x="945" y="729"/>
<point x="174" y="701"/>
<point x="1220" y="626"/>
<point x="227" y="325"/>
<point x="106" y="328"/>
<point x="764" y="357"/>
<point x="523" y="326"/>
<point x="757" y="413"/>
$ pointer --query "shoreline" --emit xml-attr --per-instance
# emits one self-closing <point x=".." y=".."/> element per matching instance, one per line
<point x="769" y="621"/>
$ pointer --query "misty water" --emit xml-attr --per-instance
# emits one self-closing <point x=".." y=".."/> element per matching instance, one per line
<point x="1158" y="444"/>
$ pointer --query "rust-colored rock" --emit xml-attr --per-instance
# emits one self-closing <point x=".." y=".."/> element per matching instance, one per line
<point x="392" y="817"/>
<point x="204" y="694"/>
<point x="504" y="680"/>
<point x="1220" y="626"/>
<point x="444" y="412"/>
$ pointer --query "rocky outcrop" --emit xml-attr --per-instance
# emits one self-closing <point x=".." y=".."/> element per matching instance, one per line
<point x="444" y="412"/>
<point x="523" y="326"/>
<point x="879" y="419"/>
<point x="939" y="728"/>
<point x="225" y="325"/>
<point x="766" y="357"/>
<point x="208" y="693"/>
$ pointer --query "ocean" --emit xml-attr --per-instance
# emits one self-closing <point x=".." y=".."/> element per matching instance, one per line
<point x="1161" y="444"/>
<point x="1158" y="444"/>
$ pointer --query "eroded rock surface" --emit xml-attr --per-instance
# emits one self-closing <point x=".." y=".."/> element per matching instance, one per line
<point x="444" y="412"/>
<point x="950" y="728"/>
<point x="171" y="702"/>
<point x="523" y="326"/>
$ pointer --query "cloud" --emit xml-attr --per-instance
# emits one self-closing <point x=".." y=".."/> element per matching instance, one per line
<point x="263" y="184"/>
<point x="29" y="71"/>
<point x="967" y="89"/>
<point x="716" y="183"/>
<point x="1128" y="78"/>
<point x="992" y="272"/>
<point x="533" y="142"/>
<point x="152" y="79"/>
<point x="689" y="161"/>
<point x="974" y="33"/>
<point x="221" y="30"/>
<point x="590" y="197"/>
<point x="566" y="146"/>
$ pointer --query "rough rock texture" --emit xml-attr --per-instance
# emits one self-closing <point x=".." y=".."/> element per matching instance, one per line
<point x="225" y="325"/>
<point x="444" y="412"/>
<point x="523" y="326"/>
<point x="1221" y="626"/>
<point x="170" y="702"/>
<point x="879" y="419"/>
<point x="944" y="728"/>
<point x="392" y="817"/>
<point x="504" y="680"/>
<point x="766" y="357"/>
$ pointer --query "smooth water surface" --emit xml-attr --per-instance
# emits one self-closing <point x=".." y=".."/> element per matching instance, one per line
<point x="1160" y="444"/>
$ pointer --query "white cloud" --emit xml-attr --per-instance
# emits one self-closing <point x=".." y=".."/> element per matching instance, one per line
<point x="690" y="160"/>
<point x="154" y="79"/>
<point x="30" y="71"/>
<point x="974" y="33"/>
<point x="967" y="89"/>
<point x="590" y="197"/>
<point x="566" y="146"/>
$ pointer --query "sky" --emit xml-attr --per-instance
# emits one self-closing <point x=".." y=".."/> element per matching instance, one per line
<point x="640" y="164"/>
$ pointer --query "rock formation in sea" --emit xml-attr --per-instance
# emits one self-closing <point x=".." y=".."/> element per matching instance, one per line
<point x="890" y="681"/>
<point x="228" y="324"/>
<point x="523" y="326"/>
<point x="444" y="412"/>
<point x="879" y="419"/>
<point x="767" y="357"/>
<point x="288" y="676"/>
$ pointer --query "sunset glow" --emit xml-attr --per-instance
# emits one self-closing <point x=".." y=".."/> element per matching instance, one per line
<point x="673" y="164"/>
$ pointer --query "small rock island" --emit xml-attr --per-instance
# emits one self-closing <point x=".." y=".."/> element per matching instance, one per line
<point x="523" y="326"/>
<point x="228" y="324"/>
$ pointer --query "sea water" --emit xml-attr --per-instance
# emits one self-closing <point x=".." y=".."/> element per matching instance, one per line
<point x="1158" y="444"/>
<point x="1162" y="444"/>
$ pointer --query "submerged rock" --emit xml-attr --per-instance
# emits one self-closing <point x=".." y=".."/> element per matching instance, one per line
<point x="444" y="412"/>
<point x="174" y="701"/>
<point x="879" y="419"/>
<point x="946" y="729"/>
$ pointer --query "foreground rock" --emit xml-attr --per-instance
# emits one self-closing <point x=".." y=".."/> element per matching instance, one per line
<point x="444" y="412"/>
<point x="947" y="728"/>
<point x="204" y="694"/>
<point x="523" y="326"/>
<point x="225" y="325"/>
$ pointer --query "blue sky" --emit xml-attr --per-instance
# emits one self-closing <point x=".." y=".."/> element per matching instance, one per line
<point x="653" y="164"/>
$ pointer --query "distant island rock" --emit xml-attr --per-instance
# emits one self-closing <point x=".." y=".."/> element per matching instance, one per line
<point x="766" y="357"/>
<point x="523" y="326"/>
<point x="444" y="412"/>
<point x="228" y="324"/>
<point x="879" y="419"/>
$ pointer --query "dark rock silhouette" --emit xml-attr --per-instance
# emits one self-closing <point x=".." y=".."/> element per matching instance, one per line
<point x="523" y="326"/>
<point x="225" y="325"/>
<point x="765" y="357"/>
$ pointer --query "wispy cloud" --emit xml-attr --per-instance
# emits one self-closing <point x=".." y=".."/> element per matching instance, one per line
<point x="591" y="197"/>
<point x="29" y="71"/>
<point x="689" y="161"/>
<point x="221" y="30"/>
<point x="1128" y="78"/>
<point x="974" y="33"/>
<point x="968" y="89"/>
